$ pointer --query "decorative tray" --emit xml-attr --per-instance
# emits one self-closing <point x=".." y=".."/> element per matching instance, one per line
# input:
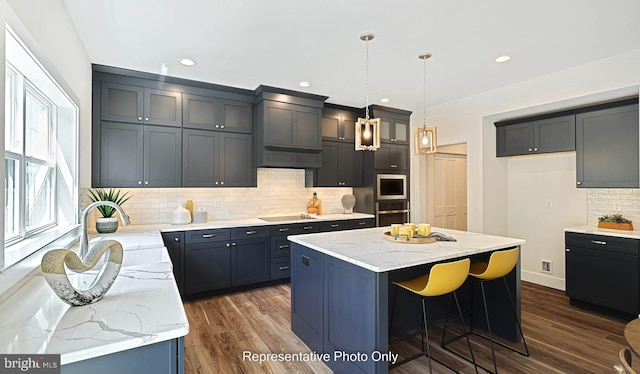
<point x="415" y="240"/>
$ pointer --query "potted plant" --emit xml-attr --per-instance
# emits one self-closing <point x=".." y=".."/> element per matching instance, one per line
<point x="614" y="221"/>
<point x="107" y="223"/>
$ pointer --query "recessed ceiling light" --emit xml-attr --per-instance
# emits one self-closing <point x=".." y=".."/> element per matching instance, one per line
<point x="503" y="58"/>
<point x="384" y="100"/>
<point x="304" y="84"/>
<point x="187" y="61"/>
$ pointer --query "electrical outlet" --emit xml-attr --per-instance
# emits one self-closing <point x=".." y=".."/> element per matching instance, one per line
<point x="547" y="266"/>
<point x="216" y="203"/>
<point x="548" y="204"/>
<point x="616" y="206"/>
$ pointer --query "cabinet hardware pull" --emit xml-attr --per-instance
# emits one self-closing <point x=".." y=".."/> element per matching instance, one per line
<point x="283" y="230"/>
<point x="600" y="242"/>
<point x="146" y="119"/>
<point x="146" y="182"/>
<point x="578" y="183"/>
<point x="139" y="182"/>
<point x="535" y="149"/>
<point x="567" y="250"/>
<point x="233" y="244"/>
<point x="530" y="149"/>
<point x="362" y="223"/>
<point x="228" y="245"/>
<point x="305" y="260"/>
<point x="283" y="268"/>
<point x="307" y="227"/>
<point x="222" y="126"/>
<point x="284" y="246"/>
<point x="221" y="182"/>
<point x="334" y="226"/>
<point x="176" y="239"/>
<point x="251" y="232"/>
<point x="139" y="118"/>
<point x="217" y="126"/>
<point x="208" y="236"/>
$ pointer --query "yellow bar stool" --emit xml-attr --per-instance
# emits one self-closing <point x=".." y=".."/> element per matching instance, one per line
<point x="442" y="279"/>
<point x="500" y="264"/>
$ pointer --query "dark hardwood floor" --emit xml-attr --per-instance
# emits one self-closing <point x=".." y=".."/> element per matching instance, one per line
<point x="562" y="338"/>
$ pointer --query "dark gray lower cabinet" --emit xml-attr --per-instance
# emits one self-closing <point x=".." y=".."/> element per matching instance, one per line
<point x="307" y="296"/>
<point x="140" y="155"/>
<point x="174" y="242"/>
<point x="603" y="270"/>
<point x="206" y="266"/>
<point x="607" y="148"/>
<point x="164" y="357"/>
<point x="250" y="261"/>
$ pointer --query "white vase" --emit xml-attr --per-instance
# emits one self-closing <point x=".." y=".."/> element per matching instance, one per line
<point x="180" y="216"/>
<point x="106" y="225"/>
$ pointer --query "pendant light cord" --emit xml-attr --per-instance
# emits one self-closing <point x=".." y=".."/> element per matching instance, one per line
<point x="424" y="110"/>
<point x="367" y="80"/>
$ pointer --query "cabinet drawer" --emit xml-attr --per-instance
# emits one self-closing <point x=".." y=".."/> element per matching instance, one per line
<point x="295" y="229"/>
<point x="280" y="268"/>
<point x="250" y="232"/>
<point x="203" y="236"/>
<point x="362" y="223"/>
<point x="280" y="247"/>
<point x="602" y="242"/>
<point x="334" y="225"/>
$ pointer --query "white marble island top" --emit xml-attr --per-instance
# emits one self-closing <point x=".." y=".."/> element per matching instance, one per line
<point x="142" y="307"/>
<point x="367" y="248"/>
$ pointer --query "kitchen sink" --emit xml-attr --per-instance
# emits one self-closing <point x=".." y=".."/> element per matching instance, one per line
<point x="297" y="217"/>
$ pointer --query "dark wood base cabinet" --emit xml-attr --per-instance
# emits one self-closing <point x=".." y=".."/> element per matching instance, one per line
<point x="603" y="270"/>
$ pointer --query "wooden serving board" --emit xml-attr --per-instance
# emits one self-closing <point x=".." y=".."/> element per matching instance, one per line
<point x="404" y="240"/>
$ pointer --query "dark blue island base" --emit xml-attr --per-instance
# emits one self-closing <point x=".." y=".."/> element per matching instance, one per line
<point x="342" y="310"/>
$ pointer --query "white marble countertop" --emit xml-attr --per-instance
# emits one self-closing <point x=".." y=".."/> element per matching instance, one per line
<point x="142" y="307"/>
<point x="632" y="234"/>
<point x="367" y="248"/>
<point x="231" y="223"/>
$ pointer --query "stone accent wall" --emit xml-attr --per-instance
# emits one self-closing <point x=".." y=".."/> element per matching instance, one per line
<point x="279" y="192"/>
<point x="601" y="201"/>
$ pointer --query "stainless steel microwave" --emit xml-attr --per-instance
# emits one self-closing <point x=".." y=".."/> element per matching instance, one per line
<point x="391" y="186"/>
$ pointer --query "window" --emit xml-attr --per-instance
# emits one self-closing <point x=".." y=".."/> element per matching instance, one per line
<point x="40" y="165"/>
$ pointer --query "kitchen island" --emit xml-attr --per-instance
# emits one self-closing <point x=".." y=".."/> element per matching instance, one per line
<point x="340" y="288"/>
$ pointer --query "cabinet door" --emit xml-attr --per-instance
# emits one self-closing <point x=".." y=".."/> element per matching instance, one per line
<point x="350" y="166"/>
<point x="200" y="160"/>
<point x="250" y="261"/>
<point x="555" y="134"/>
<point x="385" y="130"/>
<point x="514" y="139"/>
<point x="121" y="154"/>
<point x="400" y="132"/>
<point x="348" y="127"/>
<point x="162" y="156"/>
<point x="382" y="157"/>
<point x="400" y="157"/>
<point x="328" y="174"/>
<point x="607" y="148"/>
<point x="162" y="107"/>
<point x="121" y="102"/>
<point x="236" y="116"/>
<point x="307" y="295"/>
<point x="207" y="266"/>
<point x="308" y="132"/>
<point x="236" y="160"/>
<point x="331" y="127"/>
<point x="200" y="112"/>
<point x="174" y="242"/>
<point x="279" y="123"/>
<point x="603" y="278"/>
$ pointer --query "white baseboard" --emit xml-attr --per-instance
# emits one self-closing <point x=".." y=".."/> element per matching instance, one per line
<point x="543" y="280"/>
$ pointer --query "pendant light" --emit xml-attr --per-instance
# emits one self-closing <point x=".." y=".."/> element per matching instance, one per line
<point x="426" y="138"/>
<point x="367" y="129"/>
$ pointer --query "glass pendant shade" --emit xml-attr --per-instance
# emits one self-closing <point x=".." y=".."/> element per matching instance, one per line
<point x="367" y="134"/>
<point x="426" y="140"/>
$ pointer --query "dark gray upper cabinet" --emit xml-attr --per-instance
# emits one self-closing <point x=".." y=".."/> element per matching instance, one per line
<point x="607" y="148"/>
<point x="140" y="156"/>
<point x="217" y="159"/>
<point x="392" y="157"/>
<point x="128" y="103"/>
<point x="339" y="123"/>
<point x="211" y="113"/>
<point x="288" y="128"/>
<point x="341" y="165"/>
<point x="394" y="124"/>
<point x="541" y="136"/>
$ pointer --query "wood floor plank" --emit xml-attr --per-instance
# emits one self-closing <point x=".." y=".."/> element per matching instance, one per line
<point x="562" y="338"/>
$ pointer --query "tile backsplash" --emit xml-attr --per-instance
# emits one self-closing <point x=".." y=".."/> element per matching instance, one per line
<point x="279" y="192"/>
<point x="601" y="201"/>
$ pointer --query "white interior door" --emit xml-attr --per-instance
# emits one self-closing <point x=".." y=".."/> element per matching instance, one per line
<point x="449" y="186"/>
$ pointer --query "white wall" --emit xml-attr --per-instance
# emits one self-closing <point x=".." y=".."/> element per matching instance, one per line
<point x="502" y="198"/>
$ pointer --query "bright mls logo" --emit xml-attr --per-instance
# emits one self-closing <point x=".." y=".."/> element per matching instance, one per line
<point x="41" y="364"/>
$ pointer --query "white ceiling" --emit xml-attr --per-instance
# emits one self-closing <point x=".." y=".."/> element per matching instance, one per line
<point x="245" y="43"/>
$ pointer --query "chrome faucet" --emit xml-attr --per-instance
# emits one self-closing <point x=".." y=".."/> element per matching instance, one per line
<point x="84" y="239"/>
